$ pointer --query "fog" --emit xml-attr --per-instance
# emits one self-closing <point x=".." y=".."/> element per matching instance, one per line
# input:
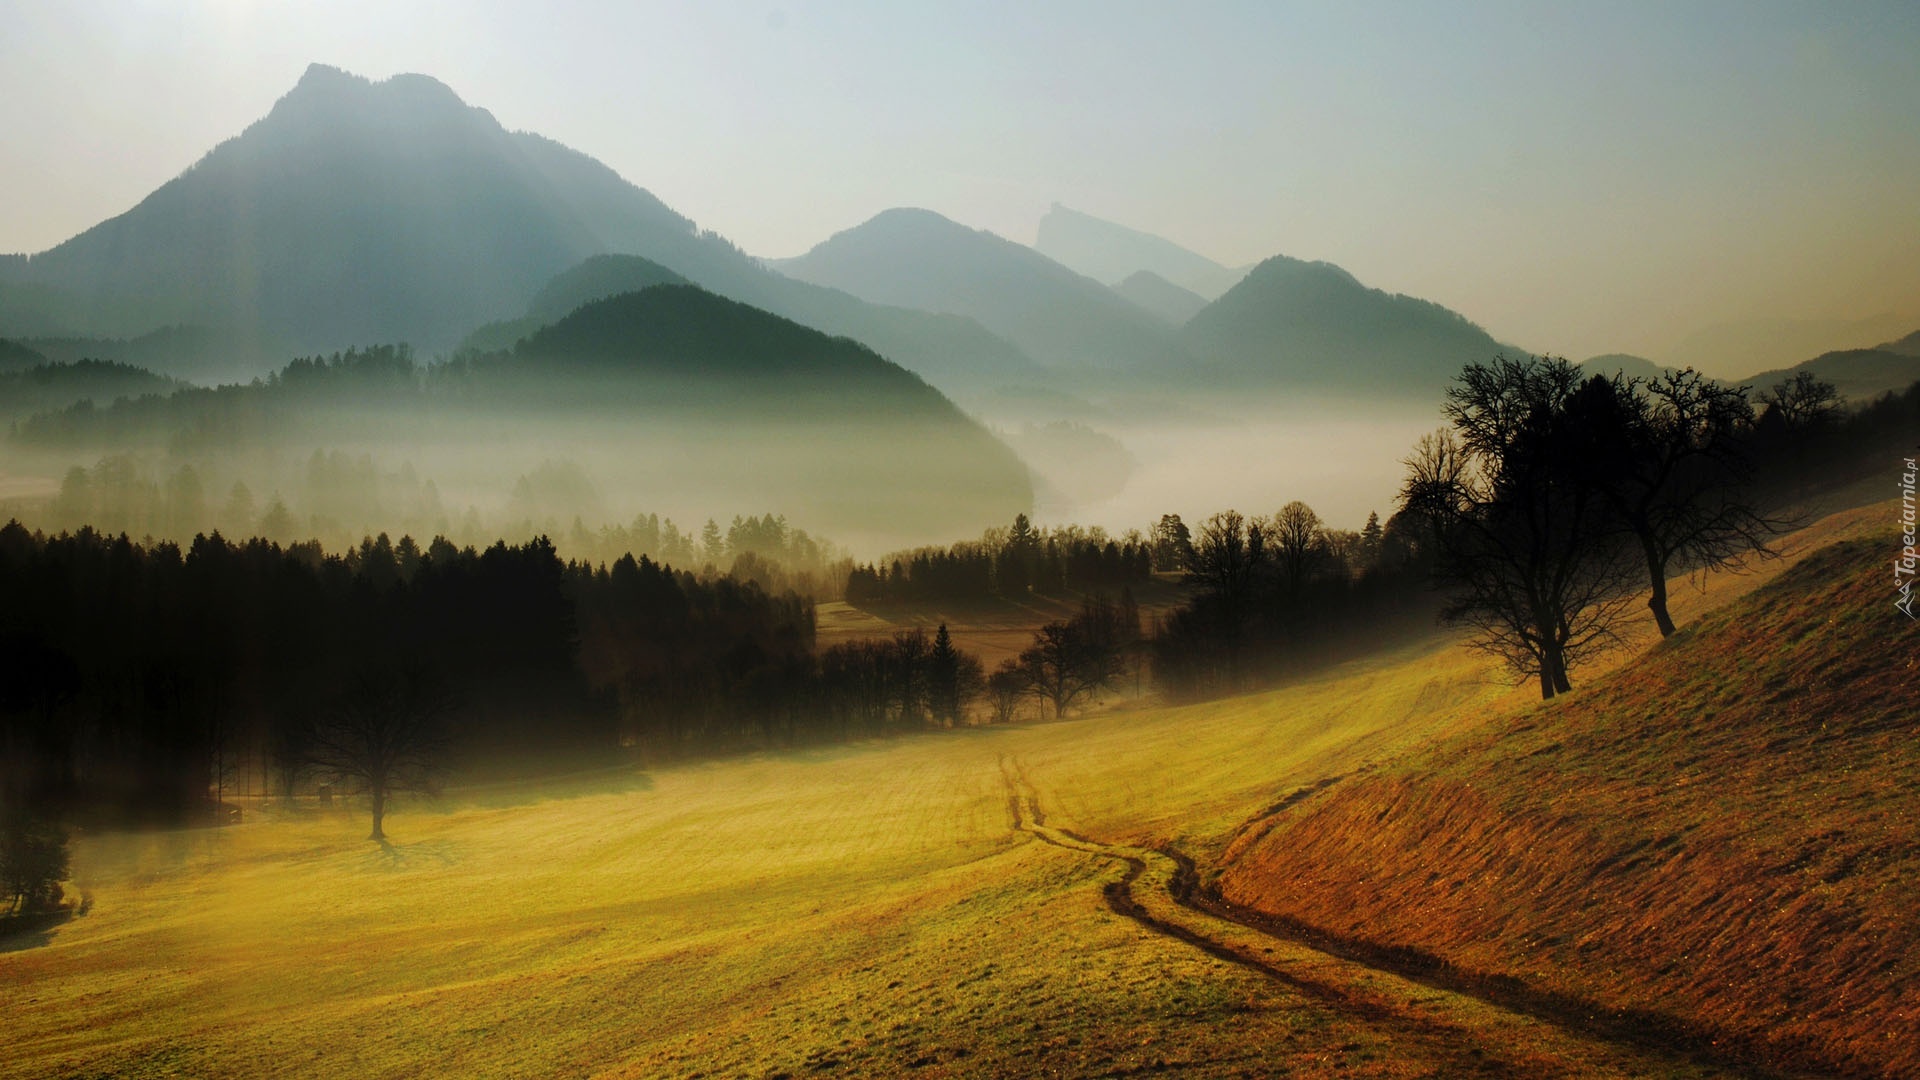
<point x="1342" y="458"/>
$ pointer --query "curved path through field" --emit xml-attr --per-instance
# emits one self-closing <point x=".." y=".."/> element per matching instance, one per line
<point x="1477" y="1033"/>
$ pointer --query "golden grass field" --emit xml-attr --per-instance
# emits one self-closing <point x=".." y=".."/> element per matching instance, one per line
<point x="878" y="910"/>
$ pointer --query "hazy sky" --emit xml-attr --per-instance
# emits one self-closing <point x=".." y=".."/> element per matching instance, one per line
<point x="1577" y="178"/>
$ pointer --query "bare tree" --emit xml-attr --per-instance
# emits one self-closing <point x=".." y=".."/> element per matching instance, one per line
<point x="1227" y="557"/>
<point x="1005" y="687"/>
<point x="390" y="733"/>
<point x="1670" y="456"/>
<point x="1076" y="658"/>
<point x="1527" y="548"/>
<point x="1802" y="402"/>
<point x="1298" y="543"/>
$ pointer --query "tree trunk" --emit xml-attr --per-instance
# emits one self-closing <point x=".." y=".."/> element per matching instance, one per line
<point x="379" y="793"/>
<point x="1657" y="571"/>
<point x="1546" y="680"/>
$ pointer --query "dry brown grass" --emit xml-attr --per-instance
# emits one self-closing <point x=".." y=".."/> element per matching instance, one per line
<point x="1719" y="833"/>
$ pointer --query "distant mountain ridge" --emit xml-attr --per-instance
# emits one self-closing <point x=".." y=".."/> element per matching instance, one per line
<point x="1859" y="374"/>
<point x="1111" y="253"/>
<point x="915" y="258"/>
<point x="358" y="211"/>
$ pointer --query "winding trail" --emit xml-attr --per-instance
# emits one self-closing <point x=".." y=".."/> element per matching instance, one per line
<point x="1489" y="1031"/>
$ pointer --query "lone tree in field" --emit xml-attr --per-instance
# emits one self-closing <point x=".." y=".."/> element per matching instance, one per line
<point x="1078" y="657"/>
<point x="390" y="733"/>
<point x="1670" y="456"/>
<point x="33" y="863"/>
<point x="1528" y="547"/>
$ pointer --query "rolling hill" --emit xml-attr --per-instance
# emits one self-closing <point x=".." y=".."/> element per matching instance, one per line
<point x="17" y="357"/>
<point x="359" y="212"/>
<point x="1112" y="253"/>
<point x="918" y="259"/>
<point x="57" y="386"/>
<point x="684" y="397"/>
<point x="1312" y="327"/>
<point x="1710" y="843"/>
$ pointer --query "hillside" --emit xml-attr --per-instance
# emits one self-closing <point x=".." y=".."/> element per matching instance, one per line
<point x="17" y="357"/>
<point x="1859" y="374"/>
<point x="1713" y="841"/>
<point x="1304" y="325"/>
<point x="918" y="259"/>
<point x="1160" y="297"/>
<point x="358" y="211"/>
<point x="1112" y="253"/>
<point x="1906" y="346"/>
<point x="57" y="386"/>
<point x="672" y="393"/>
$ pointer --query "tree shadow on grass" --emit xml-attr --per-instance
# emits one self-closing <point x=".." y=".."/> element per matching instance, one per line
<point x="19" y="933"/>
<point x="505" y="794"/>
<point x="390" y="857"/>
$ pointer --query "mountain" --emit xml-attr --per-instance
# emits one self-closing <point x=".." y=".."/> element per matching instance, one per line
<point x="1728" y="349"/>
<point x="1161" y="298"/>
<point x="1859" y="374"/>
<point x="358" y="211"/>
<point x="1906" y="346"/>
<point x="918" y="259"/>
<point x="1310" y="325"/>
<point x="1108" y="252"/>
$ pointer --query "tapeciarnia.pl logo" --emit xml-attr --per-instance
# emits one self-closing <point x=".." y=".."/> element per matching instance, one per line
<point x="1903" y="567"/>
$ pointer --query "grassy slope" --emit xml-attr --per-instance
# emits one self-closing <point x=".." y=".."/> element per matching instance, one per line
<point x="871" y="907"/>
<point x="1720" y="831"/>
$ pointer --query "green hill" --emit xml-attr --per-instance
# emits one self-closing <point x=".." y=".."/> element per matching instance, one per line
<point x="57" y="386"/>
<point x="670" y="394"/>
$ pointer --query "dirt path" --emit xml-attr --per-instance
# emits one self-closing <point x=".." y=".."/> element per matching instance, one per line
<point x="1475" y="1029"/>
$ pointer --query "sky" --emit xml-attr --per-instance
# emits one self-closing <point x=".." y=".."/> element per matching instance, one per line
<point x="1579" y="179"/>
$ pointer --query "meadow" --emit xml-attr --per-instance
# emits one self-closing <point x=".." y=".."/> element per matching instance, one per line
<point x="938" y="905"/>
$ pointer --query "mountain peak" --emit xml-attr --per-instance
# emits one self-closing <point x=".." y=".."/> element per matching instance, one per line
<point x="319" y="76"/>
<point x="323" y="87"/>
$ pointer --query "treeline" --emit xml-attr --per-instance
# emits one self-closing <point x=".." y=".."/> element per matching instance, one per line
<point x="1008" y="564"/>
<point x="1282" y="593"/>
<point x="144" y="681"/>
